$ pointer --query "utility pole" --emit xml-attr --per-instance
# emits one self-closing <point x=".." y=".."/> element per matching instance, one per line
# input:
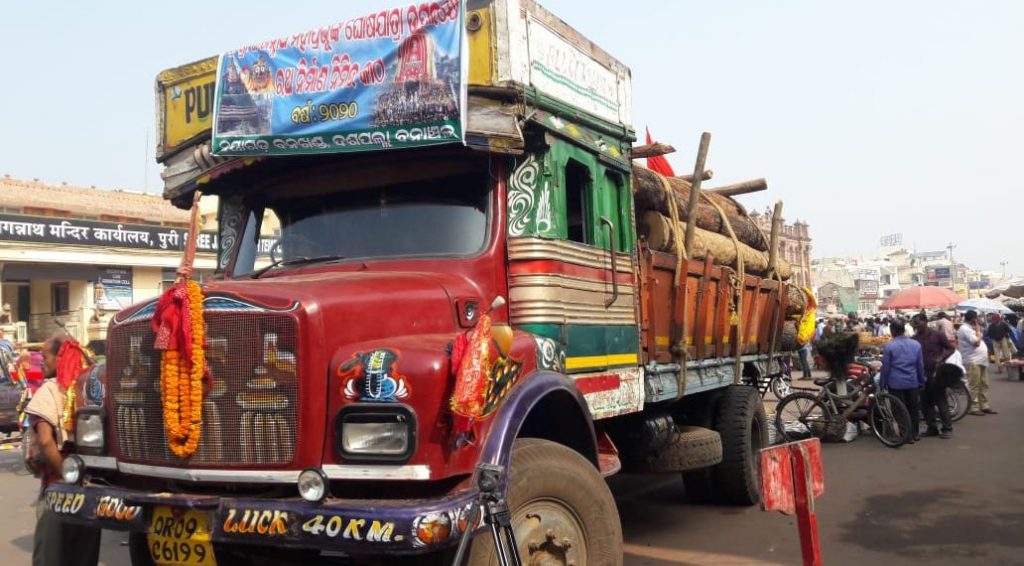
<point x="952" y="265"/>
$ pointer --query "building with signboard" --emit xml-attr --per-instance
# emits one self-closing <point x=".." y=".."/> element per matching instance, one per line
<point x="73" y="255"/>
<point x="794" y="245"/>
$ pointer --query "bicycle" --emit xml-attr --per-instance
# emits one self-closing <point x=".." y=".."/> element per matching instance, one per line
<point x="824" y="414"/>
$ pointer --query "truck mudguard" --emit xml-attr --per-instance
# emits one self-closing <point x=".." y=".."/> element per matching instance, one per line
<point x="545" y="405"/>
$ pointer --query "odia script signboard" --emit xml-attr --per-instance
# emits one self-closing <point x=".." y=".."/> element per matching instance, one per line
<point x="390" y="79"/>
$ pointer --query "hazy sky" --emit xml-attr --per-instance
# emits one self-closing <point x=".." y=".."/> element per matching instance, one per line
<point x="867" y="118"/>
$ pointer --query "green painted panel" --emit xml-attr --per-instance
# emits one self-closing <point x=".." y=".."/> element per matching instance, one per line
<point x="552" y="331"/>
<point x="589" y="339"/>
<point x="597" y="340"/>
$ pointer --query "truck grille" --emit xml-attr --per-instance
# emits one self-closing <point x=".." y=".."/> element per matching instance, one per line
<point x="249" y="413"/>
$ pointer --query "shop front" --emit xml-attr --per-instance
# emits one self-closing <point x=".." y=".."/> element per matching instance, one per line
<point x="72" y="273"/>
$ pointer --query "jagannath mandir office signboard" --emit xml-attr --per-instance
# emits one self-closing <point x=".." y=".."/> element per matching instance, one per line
<point x="394" y="78"/>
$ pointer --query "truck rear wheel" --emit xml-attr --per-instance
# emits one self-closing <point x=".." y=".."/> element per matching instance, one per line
<point x="562" y="510"/>
<point x="744" y="428"/>
<point x="738" y="415"/>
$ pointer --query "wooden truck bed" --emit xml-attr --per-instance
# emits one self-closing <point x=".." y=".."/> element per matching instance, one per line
<point x="702" y="310"/>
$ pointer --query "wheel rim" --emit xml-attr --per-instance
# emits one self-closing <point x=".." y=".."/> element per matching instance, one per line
<point x="801" y="417"/>
<point x="782" y="387"/>
<point x="885" y="424"/>
<point x="549" y="533"/>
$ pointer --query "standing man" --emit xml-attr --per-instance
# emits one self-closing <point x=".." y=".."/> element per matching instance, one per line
<point x="945" y="326"/>
<point x="975" y="354"/>
<point x="7" y="356"/>
<point x="935" y="348"/>
<point x="903" y="373"/>
<point x="805" y="359"/>
<point x="999" y="332"/>
<point x="56" y="543"/>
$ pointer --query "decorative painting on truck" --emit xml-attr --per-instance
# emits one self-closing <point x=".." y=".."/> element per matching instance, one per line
<point x="391" y="79"/>
<point x="373" y="376"/>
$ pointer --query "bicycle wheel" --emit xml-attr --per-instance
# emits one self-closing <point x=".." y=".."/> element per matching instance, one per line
<point x="801" y="415"/>
<point x="889" y="420"/>
<point x="959" y="399"/>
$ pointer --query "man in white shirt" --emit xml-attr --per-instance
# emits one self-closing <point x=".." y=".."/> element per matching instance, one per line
<point x="975" y="354"/>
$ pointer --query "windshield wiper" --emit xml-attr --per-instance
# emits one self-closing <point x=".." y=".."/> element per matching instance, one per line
<point x="294" y="261"/>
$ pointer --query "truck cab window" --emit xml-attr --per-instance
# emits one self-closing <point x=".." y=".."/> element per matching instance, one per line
<point x="577" y="187"/>
<point x="446" y="216"/>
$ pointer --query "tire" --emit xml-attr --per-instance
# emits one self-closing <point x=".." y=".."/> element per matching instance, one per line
<point x="741" y="421"/>
<point x="890" y="420"/>
<point x="781" y="387"/>
<point x="692" y="448"/>
<point x="802" y="415"/>
<point x="559" y="490"/>
<point x="959" y="401"/>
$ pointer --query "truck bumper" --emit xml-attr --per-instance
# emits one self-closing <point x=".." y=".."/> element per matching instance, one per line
<point x="361" y="527"/>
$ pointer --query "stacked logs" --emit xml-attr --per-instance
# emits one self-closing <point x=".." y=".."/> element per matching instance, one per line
<point x="649" y="194"/>
<point x="711" y="235"/>
<point x="658" y="230"/>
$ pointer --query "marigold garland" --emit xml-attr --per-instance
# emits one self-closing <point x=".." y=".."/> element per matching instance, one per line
<point x="68" y="420"/>
<point x="182" y="380"/>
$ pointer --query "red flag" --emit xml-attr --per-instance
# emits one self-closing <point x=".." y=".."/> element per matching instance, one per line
<point x="659" y="164"/>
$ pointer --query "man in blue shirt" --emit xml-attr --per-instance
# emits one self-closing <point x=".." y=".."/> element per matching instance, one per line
<point x="903" y="373"/>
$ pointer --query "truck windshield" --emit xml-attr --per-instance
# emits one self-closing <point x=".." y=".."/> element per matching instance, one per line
<point x="435" y="218"/>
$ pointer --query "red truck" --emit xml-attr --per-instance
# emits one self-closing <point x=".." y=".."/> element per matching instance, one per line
<point x="334" y="341"/>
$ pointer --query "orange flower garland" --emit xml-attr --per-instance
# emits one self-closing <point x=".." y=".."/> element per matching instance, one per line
<point x="68" y="420"/>
<point x="182" y="381"/>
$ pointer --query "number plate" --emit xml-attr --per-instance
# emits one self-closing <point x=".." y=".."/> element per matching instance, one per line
<point x="181" y="538"/>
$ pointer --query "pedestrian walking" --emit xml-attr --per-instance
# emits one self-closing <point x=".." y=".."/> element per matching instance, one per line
<point x="1002" y="348"/>
<point x="903" y="373"/>
<point x="975" y="354"/>
<point x="56" y="543"/>
<point x="935" y="348"/>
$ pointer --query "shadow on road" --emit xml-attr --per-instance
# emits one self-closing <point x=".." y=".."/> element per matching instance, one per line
<point x="936" y="523"/>
<point x="23" y="542"/>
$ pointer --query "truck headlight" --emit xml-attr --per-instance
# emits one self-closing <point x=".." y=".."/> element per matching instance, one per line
<point x="89" y="433"/>
<point x="72" y="469"/>
<point x="312" y="485"/>
<point x="382" y="432"/>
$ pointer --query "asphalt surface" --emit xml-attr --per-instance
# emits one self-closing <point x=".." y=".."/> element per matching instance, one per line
<point x="957" y="501"/>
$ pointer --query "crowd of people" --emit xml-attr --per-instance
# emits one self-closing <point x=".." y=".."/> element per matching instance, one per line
<point x="422" y="102"/>
<point x="924" y="355"/>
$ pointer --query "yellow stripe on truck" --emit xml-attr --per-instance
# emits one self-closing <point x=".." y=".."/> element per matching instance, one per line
<point x="581" y="362"/>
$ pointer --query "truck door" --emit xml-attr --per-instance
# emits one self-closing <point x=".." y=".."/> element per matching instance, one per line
<point x="562" y="283"/>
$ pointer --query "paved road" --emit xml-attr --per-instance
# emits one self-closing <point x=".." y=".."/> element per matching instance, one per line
<point x="958" y="501"/>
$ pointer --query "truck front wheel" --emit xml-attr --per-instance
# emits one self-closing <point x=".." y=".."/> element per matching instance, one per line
<point x="562" y="510"/>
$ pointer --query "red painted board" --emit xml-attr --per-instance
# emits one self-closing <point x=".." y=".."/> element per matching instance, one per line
<point x="777" y="480"/>
<point x="777" y="473"/>
<point x="598" y="383"/>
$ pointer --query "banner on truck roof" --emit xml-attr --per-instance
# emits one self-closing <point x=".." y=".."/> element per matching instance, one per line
<point x="392" y="79"/>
